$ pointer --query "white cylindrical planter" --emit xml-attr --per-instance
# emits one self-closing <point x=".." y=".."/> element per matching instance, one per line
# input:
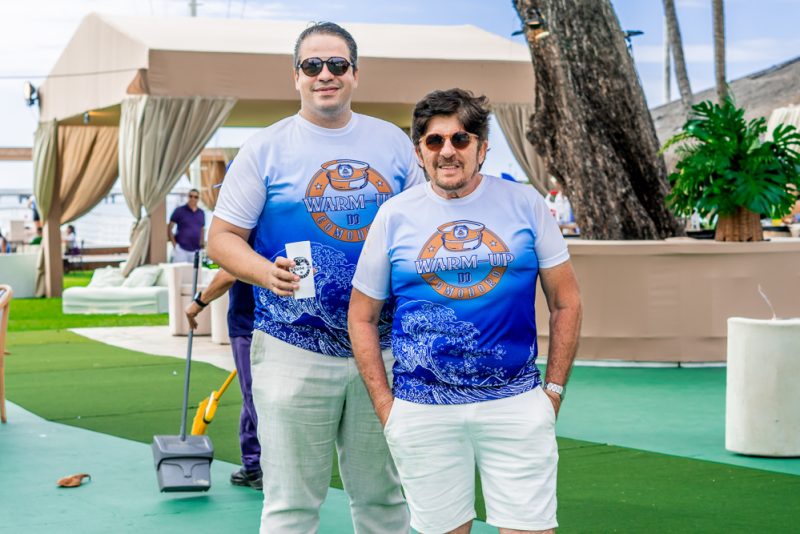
<point x="219" y="320"/>
<point x="762" y="415"/>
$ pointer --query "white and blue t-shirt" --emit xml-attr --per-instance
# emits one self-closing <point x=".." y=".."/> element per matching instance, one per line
<point x="297" y="181"/>
<point x="460" y="275"/>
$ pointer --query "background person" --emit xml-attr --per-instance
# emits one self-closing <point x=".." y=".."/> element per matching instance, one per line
<point x="459" y="258"/>
<point x="71" y="241"/>
<point x="186" y="229"/>
<point x="240" y="332"/>
<point x="318" y="176"/>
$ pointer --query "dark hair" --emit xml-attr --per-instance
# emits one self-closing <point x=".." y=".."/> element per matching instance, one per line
<point x="472" y="111"/>
<point x="327" y="28"/>
<point x="70" y="227"/>
<point x="193" y="190"/>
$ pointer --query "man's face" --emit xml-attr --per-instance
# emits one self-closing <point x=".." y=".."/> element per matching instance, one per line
<point x="325" y="96"/>
<point x="452" y="171"/>
<point x="194" y="198"/>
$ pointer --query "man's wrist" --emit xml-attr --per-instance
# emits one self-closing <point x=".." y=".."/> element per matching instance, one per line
<point x="557" y="389"/>
<point x="198" y="300"/>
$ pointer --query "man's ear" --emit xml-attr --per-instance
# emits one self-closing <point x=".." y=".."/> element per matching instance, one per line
<point x="484" y="148"/>
<point x="296" y="76"/>
<point x="418" y="153"/>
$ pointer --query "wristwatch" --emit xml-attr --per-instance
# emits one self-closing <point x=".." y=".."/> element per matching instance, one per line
<point x="555" y="388"/>
<point x="198" y="301"/>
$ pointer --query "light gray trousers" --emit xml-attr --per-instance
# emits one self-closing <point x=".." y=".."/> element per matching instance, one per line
<point x="307" y="405"/>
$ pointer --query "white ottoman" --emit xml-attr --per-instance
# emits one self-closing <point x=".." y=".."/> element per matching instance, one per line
<point x="762" y="415"/>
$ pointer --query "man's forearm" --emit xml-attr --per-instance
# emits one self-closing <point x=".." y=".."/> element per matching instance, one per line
<point x="367" y="352"/>
<point x="565" y="325"/>
<point x="221" y="283"/>
<point x="233" y="254"/>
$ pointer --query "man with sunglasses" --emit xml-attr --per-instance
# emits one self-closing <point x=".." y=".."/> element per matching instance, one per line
<point x="317" y="176"/>
<point x="191" y="222"/>
<point x="458" y="259"/>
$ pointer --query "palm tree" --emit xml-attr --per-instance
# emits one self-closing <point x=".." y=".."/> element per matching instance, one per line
<point x="676" y="45"/>
<point x="718" y="7"/>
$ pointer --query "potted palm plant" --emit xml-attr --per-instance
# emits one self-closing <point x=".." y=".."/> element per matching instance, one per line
<point x="727" y="169"/>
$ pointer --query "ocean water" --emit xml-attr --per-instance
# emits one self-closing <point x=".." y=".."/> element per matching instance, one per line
<point x="107" y="224"/>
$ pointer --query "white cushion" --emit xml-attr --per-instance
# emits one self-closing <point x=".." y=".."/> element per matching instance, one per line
<point x="107" y="277"/>
<point x="144" y="276"/>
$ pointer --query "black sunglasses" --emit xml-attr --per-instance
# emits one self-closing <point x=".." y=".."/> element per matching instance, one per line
<point x="459" y="140"/>
<point x="313" y="65"/>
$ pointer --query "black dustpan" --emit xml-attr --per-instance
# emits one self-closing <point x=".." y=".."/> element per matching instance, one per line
<point x="183" y="463"/>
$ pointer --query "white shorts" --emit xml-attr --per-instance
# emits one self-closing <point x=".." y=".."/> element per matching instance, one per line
<point x="180" y="255"/>
<point x="513" y="443"/>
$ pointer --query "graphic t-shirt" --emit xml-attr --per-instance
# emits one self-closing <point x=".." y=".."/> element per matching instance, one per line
<point x="300" y="182"/>
<point x="462" y="277"/>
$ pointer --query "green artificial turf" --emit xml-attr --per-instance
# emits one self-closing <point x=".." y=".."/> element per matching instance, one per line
<point x="77" y="278"/>
<point x="45" y="314"/>
<point x="602" y="488"/>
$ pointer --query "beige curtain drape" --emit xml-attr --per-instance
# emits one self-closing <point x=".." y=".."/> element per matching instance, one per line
<point x="88" y="164"/>
<point x="85" y="160"/>
<point x="513" y="120"/>
<point x="789" y="115"/>
<point x="211" y="174"/>
<point x="45" y="144"/>
<point x="159" y="137"/>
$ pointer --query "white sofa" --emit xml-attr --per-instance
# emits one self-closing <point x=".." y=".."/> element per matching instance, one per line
<point x="19" y="271"/>
<point x="144" y="291"/>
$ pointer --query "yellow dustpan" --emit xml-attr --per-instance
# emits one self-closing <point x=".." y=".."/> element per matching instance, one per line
<point x="208" y="407"/>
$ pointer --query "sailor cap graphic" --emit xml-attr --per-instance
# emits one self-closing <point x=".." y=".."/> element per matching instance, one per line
<point x="458" y="236"/>
<point x="346" y="174"/>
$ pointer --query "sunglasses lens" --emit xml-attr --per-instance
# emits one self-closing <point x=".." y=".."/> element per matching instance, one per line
<point x="311" y="66"/>
<point x="461" y="140"/>
<point x="338" y="65"/>
<point x="434" y="142"/>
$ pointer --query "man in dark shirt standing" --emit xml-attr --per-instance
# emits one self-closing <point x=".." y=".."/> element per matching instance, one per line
<point x="190" y="221"/>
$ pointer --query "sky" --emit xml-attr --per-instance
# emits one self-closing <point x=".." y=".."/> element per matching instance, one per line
<point x="760" y="33"/>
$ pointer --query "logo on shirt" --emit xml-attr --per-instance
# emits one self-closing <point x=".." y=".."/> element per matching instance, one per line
<point x="343" y="197"/>
<point x="302" y="267"/>
<point x="463" y="260"/>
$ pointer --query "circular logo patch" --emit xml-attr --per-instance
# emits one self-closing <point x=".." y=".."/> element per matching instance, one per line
<point x="343" y="197"/>
<point x="302" y="267"/>
<point x="463" y="260"/>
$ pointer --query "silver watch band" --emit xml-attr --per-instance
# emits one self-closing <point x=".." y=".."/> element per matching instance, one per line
<point x="555" y="388"/>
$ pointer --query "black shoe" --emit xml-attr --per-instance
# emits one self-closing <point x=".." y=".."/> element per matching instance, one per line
<point x="245" y="478"/>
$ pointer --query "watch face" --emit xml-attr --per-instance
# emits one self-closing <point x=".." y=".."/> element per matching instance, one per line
<point x="302" y="267"/>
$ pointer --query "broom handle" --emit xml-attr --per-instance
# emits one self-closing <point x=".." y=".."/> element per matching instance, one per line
<point x="195" y="269"/>
<point x="226" y="383"/>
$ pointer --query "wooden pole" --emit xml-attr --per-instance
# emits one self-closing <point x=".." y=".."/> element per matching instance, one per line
<point x="158" y="234"/>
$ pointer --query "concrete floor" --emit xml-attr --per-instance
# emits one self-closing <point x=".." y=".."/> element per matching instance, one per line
<point x="157" y="340"/>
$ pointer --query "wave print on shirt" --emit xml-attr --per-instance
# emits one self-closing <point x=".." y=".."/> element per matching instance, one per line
<point x="317" y="324"/>
<point x="461" y="370"/>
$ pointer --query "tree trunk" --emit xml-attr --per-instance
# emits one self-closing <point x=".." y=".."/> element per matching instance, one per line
<point x="744" y="225"/>
<point x="719" y="48"/>
<point x="591" y="124"/>
<point x="676" y="45"/>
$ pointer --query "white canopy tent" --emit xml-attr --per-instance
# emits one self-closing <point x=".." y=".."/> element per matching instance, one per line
<point x="147" y="74"/>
